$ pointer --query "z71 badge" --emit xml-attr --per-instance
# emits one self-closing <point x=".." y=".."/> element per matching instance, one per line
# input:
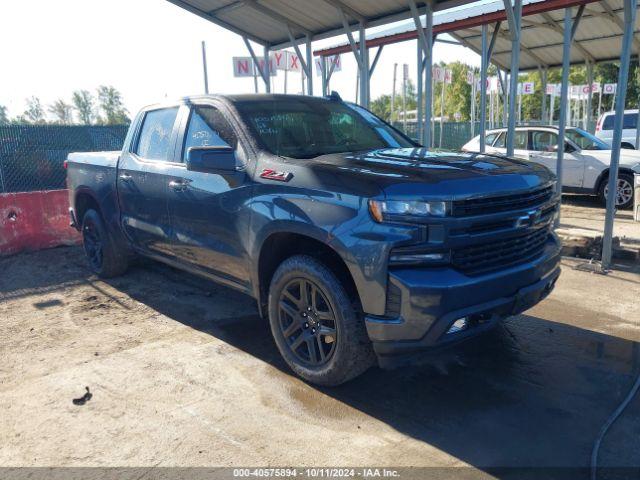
<point x="275" y="175"/>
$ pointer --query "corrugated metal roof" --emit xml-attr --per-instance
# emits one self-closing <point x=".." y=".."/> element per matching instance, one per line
<point x="265" y="21"/>
<point x="598" y="37"/>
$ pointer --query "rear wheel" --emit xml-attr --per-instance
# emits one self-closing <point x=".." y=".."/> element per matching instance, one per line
<point x="318" y="330"/>
<point x="624" y="191"/>
<point x="103" y="257"/>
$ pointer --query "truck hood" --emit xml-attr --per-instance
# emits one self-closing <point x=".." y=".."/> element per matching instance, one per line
<point x="418" y="172"/>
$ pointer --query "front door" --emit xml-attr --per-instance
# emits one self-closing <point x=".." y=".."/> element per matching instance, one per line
<point x="207" y="209"/>
<point x="544" y="151"/>
<point x="142" y="182"/>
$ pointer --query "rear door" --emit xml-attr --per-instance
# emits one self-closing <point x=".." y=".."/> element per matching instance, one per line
<point x="206" y="208"/>
<point x="143" y="178"/>
<point x="544" y="151"/>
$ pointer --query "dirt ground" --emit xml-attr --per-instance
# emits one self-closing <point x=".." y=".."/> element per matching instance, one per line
<point x="184" y="373"/>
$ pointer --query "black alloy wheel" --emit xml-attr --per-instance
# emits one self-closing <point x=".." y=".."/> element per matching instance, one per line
<point x="307" y="322"/>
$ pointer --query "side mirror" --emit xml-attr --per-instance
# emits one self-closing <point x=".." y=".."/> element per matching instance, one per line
<point x="207" y="159"/>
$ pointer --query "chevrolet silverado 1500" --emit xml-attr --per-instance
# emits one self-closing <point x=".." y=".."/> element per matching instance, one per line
<point x="357" y="243"/>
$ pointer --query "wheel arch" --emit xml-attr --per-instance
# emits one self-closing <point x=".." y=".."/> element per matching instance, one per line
<point x="604" y="175"/>
<point x="278" y="245"/>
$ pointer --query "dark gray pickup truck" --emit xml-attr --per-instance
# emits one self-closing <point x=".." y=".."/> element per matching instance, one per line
<point x="357" y="243"/>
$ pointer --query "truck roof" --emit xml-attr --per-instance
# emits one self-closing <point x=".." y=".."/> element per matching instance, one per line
<point x="235" y="98"/>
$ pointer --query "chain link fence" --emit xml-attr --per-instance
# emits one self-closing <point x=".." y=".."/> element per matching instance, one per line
<point x="32" y="156"/>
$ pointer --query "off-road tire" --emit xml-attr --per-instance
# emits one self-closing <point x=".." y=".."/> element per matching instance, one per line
<point x="108" y="262"/>
<point x="352" y="354"/>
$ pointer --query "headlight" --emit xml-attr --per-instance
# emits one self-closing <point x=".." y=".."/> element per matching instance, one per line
<point x="381" y="210"/>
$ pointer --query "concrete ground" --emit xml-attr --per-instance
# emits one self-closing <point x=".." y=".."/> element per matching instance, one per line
<point x="583" y="216"/>
<point x="184" y="373"/>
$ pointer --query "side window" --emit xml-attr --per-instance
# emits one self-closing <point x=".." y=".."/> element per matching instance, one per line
<point x="154" y="142"/>
<point x="607" y="124"/>
<point x="500" y="143"/>
<point x="542" y="141"/>
<point x="630" y="121"/>
<point x="208" y="128"/>
<point x="489" y="139"/>
<point x="521" y="141"/>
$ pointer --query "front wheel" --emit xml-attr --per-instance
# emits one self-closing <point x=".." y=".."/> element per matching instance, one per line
<point x="624" y="191"/>
<point x="317" y="329"/>
<point x="103" y="257"/>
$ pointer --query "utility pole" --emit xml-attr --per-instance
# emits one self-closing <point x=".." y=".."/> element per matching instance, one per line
<point x="393" y="93"/>
<point x="204" y="68"/>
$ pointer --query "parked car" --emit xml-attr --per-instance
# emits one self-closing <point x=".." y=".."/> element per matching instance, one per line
<point x="586" y="159"/>
<point x="355" y="242"/>
<point x="604" y="128"/>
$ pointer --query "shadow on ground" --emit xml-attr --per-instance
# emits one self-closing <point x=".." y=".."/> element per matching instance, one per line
<point x="531" y="393"/>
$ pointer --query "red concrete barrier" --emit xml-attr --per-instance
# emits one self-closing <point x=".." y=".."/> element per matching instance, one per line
<point x="35" y="220"/>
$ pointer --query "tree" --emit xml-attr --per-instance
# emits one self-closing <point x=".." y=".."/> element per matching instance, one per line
<point x="62" y="112"/>
<point x="34" y="112"/>
<point x="4" y="118"/>
<point x="112" y="106"/>
<point x="83" y="103"/>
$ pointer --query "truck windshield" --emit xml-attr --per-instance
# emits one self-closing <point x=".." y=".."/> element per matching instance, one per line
<point x="307" y="128"/>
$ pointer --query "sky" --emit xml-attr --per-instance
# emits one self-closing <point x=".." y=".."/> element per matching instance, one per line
<point x="150" y="50"/>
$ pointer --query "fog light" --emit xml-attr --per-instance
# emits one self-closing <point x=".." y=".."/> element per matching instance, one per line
<point x="458" y="325"/>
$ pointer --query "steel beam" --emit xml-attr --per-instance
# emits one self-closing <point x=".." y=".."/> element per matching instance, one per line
<point x="428" y="82"/>
<point x="267" y="69"/>
<point x="514" y="15"/>
<point x="611" y="14"/>
<point x="556" y="28"/>
<point x="353" y="13"/>
<point x="420" y="88"/>
<point x="630" y="14"/>
<point x="564" y="98"/>
<point x="375" y="60"/>
<point x="256" y="65"/>
<point x="484" y="65"/>
<point x="364" y="67"/>
<point x="310" y="67"/>
<point x="589" y="95"/>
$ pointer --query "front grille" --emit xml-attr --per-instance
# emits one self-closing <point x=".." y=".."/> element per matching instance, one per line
<point x="502" y="203"/>
<point x="501" y="254"/>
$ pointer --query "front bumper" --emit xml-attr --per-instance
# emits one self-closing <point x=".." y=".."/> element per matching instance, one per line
<point x="431" y="300"/>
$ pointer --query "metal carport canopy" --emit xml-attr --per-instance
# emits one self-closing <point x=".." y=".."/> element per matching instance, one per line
<point x="266" y="21"/>
<point x="597" y="38"/>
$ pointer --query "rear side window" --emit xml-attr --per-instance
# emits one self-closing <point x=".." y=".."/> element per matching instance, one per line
<point x="630" y="121"/>
<point x="156" y="134"/>
<point x="208" y="128"/>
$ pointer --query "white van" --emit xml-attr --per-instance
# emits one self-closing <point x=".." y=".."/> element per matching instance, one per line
<point x="604" y="128"/>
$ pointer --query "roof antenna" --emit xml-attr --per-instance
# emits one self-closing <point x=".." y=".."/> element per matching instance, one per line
<point x="335" y="96"/>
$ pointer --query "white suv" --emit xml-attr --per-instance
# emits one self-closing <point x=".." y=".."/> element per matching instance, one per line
<point x="604" y="128"/>
<point x="586" y="159"/>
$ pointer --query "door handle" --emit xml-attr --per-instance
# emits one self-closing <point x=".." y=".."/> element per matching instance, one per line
<point x="179" y="185"/>
<point x="125" y="177"/>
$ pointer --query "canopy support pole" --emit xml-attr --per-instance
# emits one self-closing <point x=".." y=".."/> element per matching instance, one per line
<point x="483" y="88"/>
<point x="420" y="88"/>
<point x="364" y="68"/>
<point x="630" y="13"/>
<point x="543" y="79"/>
<point x="309" y="70"/>
<point x="564" y="98"/>
<point x="589" y="95"/>
<point x="425" y="38"/>
<point x="514" y="15"/>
